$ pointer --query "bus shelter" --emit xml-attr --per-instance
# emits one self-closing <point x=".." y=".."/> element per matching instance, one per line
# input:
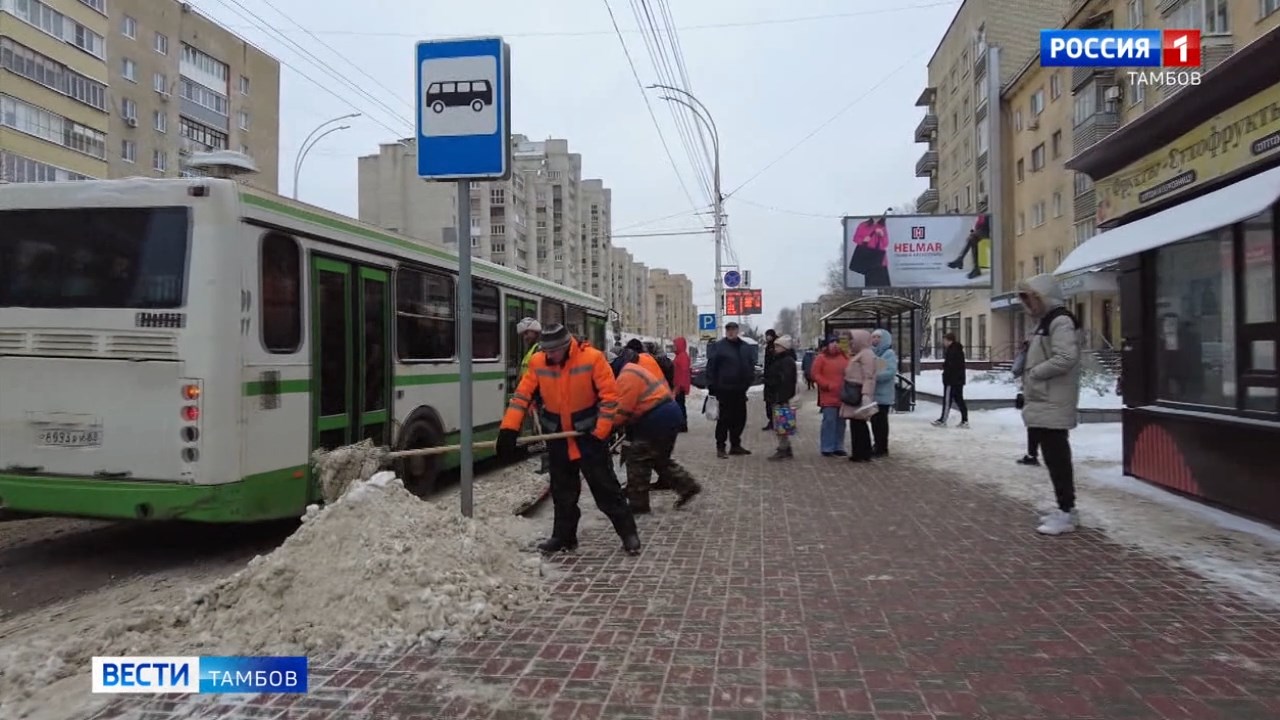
<point x="901" y="317"/>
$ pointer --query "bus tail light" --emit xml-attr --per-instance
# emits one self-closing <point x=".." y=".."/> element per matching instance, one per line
<point x="191" y="392"/>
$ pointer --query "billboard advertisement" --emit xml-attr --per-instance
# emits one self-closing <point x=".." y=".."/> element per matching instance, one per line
<point x="917" y="251"/>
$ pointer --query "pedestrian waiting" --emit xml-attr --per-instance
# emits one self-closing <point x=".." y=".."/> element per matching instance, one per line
<point x="886" y="388"/>
<point x="828" y="374"/>
<point x="780" y="387"/>
<point x="857" y="396"/>
<point x="731" y="368"/>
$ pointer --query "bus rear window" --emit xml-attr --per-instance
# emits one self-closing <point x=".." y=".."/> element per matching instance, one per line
<point x="94" y="257"/>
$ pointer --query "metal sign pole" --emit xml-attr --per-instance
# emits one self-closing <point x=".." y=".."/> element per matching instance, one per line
<point x="464" y="348"/>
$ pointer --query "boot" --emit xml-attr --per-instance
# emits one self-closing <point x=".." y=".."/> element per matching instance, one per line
<point x="1028" y="460"/>
<point x="739" y="450"/>
<point x="688" y="495"/>
<point x="781" y="454"/>
<point x="544" y="465"/>
<point x="974" y="273"/>
<point x="631" y="544"/>
<point x="720" y="453"/>
<point x="957" y="264"/>
<point x="768" y="426"/>
<point x="553" y="545"/>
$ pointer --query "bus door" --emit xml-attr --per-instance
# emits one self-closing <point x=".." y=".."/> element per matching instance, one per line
<point x="518" y="308"/>
<point x="351" y="360"/>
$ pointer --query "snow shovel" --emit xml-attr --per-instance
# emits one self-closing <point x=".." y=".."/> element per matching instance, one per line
<point x="525" y="508"/>
<point x="339" y="468"/>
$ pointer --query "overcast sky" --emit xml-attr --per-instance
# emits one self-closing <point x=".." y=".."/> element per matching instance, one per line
<point x="771" y="77"/>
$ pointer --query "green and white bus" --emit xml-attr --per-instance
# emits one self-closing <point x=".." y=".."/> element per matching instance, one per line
<point x="176" y="348"/>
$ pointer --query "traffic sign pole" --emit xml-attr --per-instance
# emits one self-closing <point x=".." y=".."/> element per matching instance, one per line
<point x="464" y="134"/>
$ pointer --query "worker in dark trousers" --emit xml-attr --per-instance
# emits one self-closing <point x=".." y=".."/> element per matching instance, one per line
<point x="770" y="337"/>
<point x="652" y="418"/>
<point x="579" y="393"/>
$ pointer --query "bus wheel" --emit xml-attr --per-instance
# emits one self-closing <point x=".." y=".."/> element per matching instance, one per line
<point x="420" y="473"/>
<point x="477" y="105"/>
<point x="437" y="107"/>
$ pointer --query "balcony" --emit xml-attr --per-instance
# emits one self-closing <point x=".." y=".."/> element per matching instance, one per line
<point x="927" y="163"/>
<point x="928" y="125"/>
<point x="927" y="96"/>
<point x="928" y="201"/>
<point x="1103" y="75"/>
<point x="1095" y="127"/>
<point x="980" y="60"/>
<point x="1085" y="206"/>
<point x="981" y="162"/>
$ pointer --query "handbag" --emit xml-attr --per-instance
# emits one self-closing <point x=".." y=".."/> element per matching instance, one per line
<point x="784" y="420"/>
<point x="711" y="408"/>
<point x="851" y="394"/>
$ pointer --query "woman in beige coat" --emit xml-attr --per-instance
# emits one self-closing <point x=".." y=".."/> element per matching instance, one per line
<point x="860" y="374"/>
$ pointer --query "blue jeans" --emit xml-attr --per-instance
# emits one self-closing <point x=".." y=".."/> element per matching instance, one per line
<point x="832" y="434"/>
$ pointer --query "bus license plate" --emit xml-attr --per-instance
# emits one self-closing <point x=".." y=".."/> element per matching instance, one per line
<point x="69" y="437"/>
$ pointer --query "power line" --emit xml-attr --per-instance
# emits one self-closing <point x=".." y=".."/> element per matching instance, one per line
<point x="649" y="105"/>
<point x="672" y="216"/>
<point x="670" y="233"/>
<point x="829" y="120"/>
<point x="785" y="211"/>
<point x="709" y="26"/>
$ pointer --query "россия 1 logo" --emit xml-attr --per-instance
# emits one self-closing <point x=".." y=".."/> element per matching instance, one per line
<point x="1176" y="54"/>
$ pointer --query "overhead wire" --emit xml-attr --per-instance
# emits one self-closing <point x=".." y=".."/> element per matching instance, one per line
<point x="707" y="26"/>
<point x="673" y="37"/>
<point x="345" y="100"/>
<point x="649" y="105"/>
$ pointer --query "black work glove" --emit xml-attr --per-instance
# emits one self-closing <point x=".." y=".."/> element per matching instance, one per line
<point x="506" y="445"/>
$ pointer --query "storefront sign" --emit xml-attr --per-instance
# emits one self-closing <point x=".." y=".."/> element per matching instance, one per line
<point x="1235" y="138"/>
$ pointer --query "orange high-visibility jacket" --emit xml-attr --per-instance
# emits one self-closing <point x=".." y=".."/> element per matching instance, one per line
<point x="579" y="395"/>
<point x="639" y="391"/>
<point x="650" y="363"/>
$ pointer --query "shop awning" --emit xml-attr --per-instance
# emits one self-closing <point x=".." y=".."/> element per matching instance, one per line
<point x="1231" y="204"/>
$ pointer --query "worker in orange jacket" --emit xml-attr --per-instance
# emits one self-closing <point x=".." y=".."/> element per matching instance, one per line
<point x="649" y="412"/>
<point x="578" y="392"/>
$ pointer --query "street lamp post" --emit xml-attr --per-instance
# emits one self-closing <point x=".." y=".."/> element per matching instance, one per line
<point x="702" y="113"/>
<point x="310" y="142"/>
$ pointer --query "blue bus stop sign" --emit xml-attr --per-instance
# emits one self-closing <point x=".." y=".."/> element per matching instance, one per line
<point x="464" y="109"/>
<point x="732" y="279"/>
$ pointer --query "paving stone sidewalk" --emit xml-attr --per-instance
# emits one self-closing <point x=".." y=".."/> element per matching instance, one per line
<point x="818" y="588"/>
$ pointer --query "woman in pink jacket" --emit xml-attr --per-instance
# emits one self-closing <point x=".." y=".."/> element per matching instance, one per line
<point x="828" y="374"/>
<point x="859" y="378"/>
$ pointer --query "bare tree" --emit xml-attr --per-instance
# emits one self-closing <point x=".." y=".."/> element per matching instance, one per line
<point x="788" y="322"/>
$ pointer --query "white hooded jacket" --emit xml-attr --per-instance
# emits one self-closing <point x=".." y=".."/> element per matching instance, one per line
<point x="1051" y="380"/>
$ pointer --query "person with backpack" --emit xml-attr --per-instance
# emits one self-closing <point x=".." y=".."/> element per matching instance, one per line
<point x="806" y="365"/>
<point x="1051" y="392"/>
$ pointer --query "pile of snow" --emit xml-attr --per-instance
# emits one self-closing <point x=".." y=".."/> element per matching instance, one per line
<point x="379" y="569"/>
<point x="1235" y="552"/>
<point x="1097" y="391"/>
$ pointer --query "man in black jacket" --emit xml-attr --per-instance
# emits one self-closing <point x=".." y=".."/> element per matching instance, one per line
<point x="953" y="379"/>
<point x="770" y="338"/>
<point x="731" y="367"/>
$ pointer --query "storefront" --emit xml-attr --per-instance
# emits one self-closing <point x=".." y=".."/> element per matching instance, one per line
<point x="1188" y="194"/>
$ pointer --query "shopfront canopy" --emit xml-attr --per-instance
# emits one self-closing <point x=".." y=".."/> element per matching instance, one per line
<point x="1232" y="204"/>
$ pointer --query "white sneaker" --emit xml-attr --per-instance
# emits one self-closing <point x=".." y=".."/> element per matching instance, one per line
<point x="963" y="426"/>
<point x="1052" y="512"/>
<point x="938" y="423"/>
<point x="1057" y="523"/>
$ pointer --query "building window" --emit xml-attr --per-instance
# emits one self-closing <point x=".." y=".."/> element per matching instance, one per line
<point x="1037" y="214"/>
<point x="1086" y="104"/>
<point x="160" y="83"/>
<point x="1266" y="7"/>
<point x="128" y="151"/>
<point x="90" y="41"/>
<point x="1057" y="204"/>
<point x="244" y="150"/>
<point x="46" y="71"/>
<point x="1037" y="158"/>
<point x="19" y="169"/>
<point x="1037" y="265"/>
<point x="160" y="121"/>
<point x="424" y="315"/>
<point x="1055" y="86"/>
<point x="244" y="85"/>
<point x="129" y="69"/>
<point x="1057" y="258"/>
<point x="201" y="138"/>
<point x="128" y="109"/>
<point x="1022" y="269"/>
<point x="161" y="44"/>
<point x="1081" y="183"/>
<point x="968" y="196"/>
<point x="196" y="62"/>
<point x="99" y="5"/>
<point x="203" y="96"/>
<point x="1085" y="230"/>
<point x="1019" y="170"/>
<point x="280" y="265"/>
<point x="159" y="160"/>
<point x="1208" y="16"/>
<point x="1037" y="102"/>
<point x="1022" y="222"/>
<point x="1056" y="144"/>
<point x="1195" y="321"/>
<point x="244" y="119"/>
<point x="49" y="126"/>
<point x="1017" y="121"/>
<point x="129" y="27"/>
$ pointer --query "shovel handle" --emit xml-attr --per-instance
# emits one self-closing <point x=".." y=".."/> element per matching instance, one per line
<point x="440" y="450"/>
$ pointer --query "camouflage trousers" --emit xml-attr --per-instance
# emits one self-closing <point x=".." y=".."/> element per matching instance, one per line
<point x="647" y="456"/>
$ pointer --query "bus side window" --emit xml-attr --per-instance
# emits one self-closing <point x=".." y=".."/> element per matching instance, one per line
<point x="486" y="327"/>
<point x="281" y="268"/>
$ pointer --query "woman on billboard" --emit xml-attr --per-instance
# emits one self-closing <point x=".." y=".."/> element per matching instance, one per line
<point x="981" y="231"/>
<point x="870" y="252"/>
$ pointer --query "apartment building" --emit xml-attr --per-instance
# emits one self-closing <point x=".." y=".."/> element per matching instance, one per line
<point x="54" y="101"/>
<point x="670" y="305"/>
<point x="597" y="238"/>
<point x="958" y="129"/>
<point x="181" y="83"/>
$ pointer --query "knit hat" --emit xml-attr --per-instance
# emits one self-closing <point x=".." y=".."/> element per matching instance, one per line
<point x="783" y="342"/>
<point x="554" y="337"/>
<point x="528" y="325"/>
<point x="636" y="345"/>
